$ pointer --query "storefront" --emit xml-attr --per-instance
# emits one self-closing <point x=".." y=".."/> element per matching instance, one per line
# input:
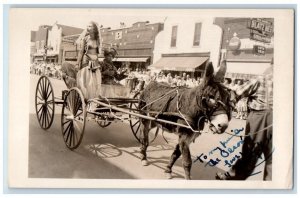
<point x="246" y="69"/>
<point x="192" y="64"/>
<point x="38" y="58"/>
<point x="247" y="46"/>
<point x="52" y="58"/>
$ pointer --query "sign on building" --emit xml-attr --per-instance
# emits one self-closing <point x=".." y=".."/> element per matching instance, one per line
<point x="261" y="30"/>
<point x="259" y="50"/>
<point x="118" y="35"/>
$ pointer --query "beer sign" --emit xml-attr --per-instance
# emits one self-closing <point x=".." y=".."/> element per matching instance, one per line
<point x="262" y="26"/>
<point x="261" y="30"/>
<point x="259" y="50"/>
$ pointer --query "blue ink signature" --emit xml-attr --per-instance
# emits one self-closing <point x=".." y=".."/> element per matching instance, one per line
<point x="224" y="151"/>
<point x="228" y="156"/>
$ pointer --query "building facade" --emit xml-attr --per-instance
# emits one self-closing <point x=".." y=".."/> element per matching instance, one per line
<point x="41" y="37"/>
<point x="247" y="45"/>
<point x="32" y="45"/>
<point x="69" y="48"/>
<point x="47" y="42"/>
<point x="186" y="44"/>
<point x="134" y="44"/>
<point x="55" y="40"/>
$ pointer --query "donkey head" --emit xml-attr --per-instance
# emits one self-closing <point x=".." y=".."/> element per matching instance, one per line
<point x="216" y="99"/>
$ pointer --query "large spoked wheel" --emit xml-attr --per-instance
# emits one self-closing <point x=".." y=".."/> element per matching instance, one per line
<point x="44" y="102"/>
<point x="135" y="124"/>
<point x="73" y="118"/>
<point x="103" y="123"/>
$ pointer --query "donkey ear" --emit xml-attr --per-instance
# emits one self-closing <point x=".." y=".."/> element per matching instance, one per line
<point x="219" y="76"/>
<point x="209" y="71"/>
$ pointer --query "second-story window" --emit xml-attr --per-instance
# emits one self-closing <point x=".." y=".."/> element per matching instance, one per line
<point x="174" y="36"/>
<point x="197" y="34"/>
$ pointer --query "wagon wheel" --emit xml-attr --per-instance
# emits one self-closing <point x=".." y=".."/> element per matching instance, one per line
<point x="44" y="102"/>
<point x="73" y="118"/>
<point x="103" y="123"/>
<point x="135" y="124"/>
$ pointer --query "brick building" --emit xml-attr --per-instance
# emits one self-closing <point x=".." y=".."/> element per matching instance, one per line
<point x="134" y="44"/>
<point x="247" y="45"/>
<point x="32" y="45"/>
<point x="186" y="44"/>
<point x="51" y="38"/>
<point x="55" y="39"/>
<point x="41" y="37"/>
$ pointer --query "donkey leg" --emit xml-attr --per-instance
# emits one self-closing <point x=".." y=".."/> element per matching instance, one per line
<point x="145" y="141"/>
<point x="175" y="155"/>
<point x="186" y="158"/>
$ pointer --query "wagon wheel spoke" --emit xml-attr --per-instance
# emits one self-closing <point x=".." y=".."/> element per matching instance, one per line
<point x="50" y="92"/>
<point x="71" y="132"/>
<point x="48" y="116"/>
<point x="68" y="134"/>
<point x="78" y="114"/>
<point x="77" y="105"/>
<point x="40" y="92"/>
<point x="39" y="97"/>
<point x="138" y="121"/>
<point x="43" y="87"/>
<point x="73" y="118"/>
<point x="42" y="116"/>
<point x="38" y="112"/>
<point x="45" y="117"/>
<point x="66" y="129"/>
<point x="137" y="130"/>
<point x="66" y="122"/>
<point x="44" y="108"/>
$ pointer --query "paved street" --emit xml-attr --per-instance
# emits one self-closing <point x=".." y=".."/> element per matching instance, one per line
<point x="113" y="152"/>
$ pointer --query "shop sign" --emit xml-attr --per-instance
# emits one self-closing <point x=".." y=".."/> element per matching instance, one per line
<point x="261" y="38"/>
<point x="261" y="30"/>
<point x="234" y="43"/>
<point x="118" y="35"/>
<point x="259" y="50"/>
<point x="262" y="26"/>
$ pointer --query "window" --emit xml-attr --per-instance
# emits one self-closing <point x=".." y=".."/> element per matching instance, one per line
<point x="197" y="34"/>
<point x="174" y="36"/>
<point x="118" y="35"/>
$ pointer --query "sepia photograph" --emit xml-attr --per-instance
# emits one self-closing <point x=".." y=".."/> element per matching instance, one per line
<point x="147" y="98"/>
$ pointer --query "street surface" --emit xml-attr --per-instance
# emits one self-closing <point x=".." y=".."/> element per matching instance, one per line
<point x="113" y="152"/>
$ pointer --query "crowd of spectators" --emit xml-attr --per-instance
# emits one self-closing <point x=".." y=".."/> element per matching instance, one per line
<point x="49" y="69"/>
<point x="241" y="109"/>
<point x="137" y="80"/>
<point x="144" y="77"/>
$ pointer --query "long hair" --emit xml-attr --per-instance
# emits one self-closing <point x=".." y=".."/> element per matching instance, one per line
<point x="85" y="33"/>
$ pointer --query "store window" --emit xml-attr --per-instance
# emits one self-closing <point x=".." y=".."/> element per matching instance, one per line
<point x="174" y="36"/>
<point x="197" y="34"/>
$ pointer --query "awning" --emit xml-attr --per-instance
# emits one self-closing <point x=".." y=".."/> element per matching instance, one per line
<point x="38" y="58"/>
<point x="246" y="69"/>
<point x="52" y="55"/>
<point x="127" y="59"/>
<point x="131" y="59"/>
<point x="179" y="63"/>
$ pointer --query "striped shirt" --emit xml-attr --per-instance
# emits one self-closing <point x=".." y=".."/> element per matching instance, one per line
<point x="259" y="92"/>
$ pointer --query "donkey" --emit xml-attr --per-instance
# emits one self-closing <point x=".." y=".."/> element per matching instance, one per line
<point x="210" y="101"/>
